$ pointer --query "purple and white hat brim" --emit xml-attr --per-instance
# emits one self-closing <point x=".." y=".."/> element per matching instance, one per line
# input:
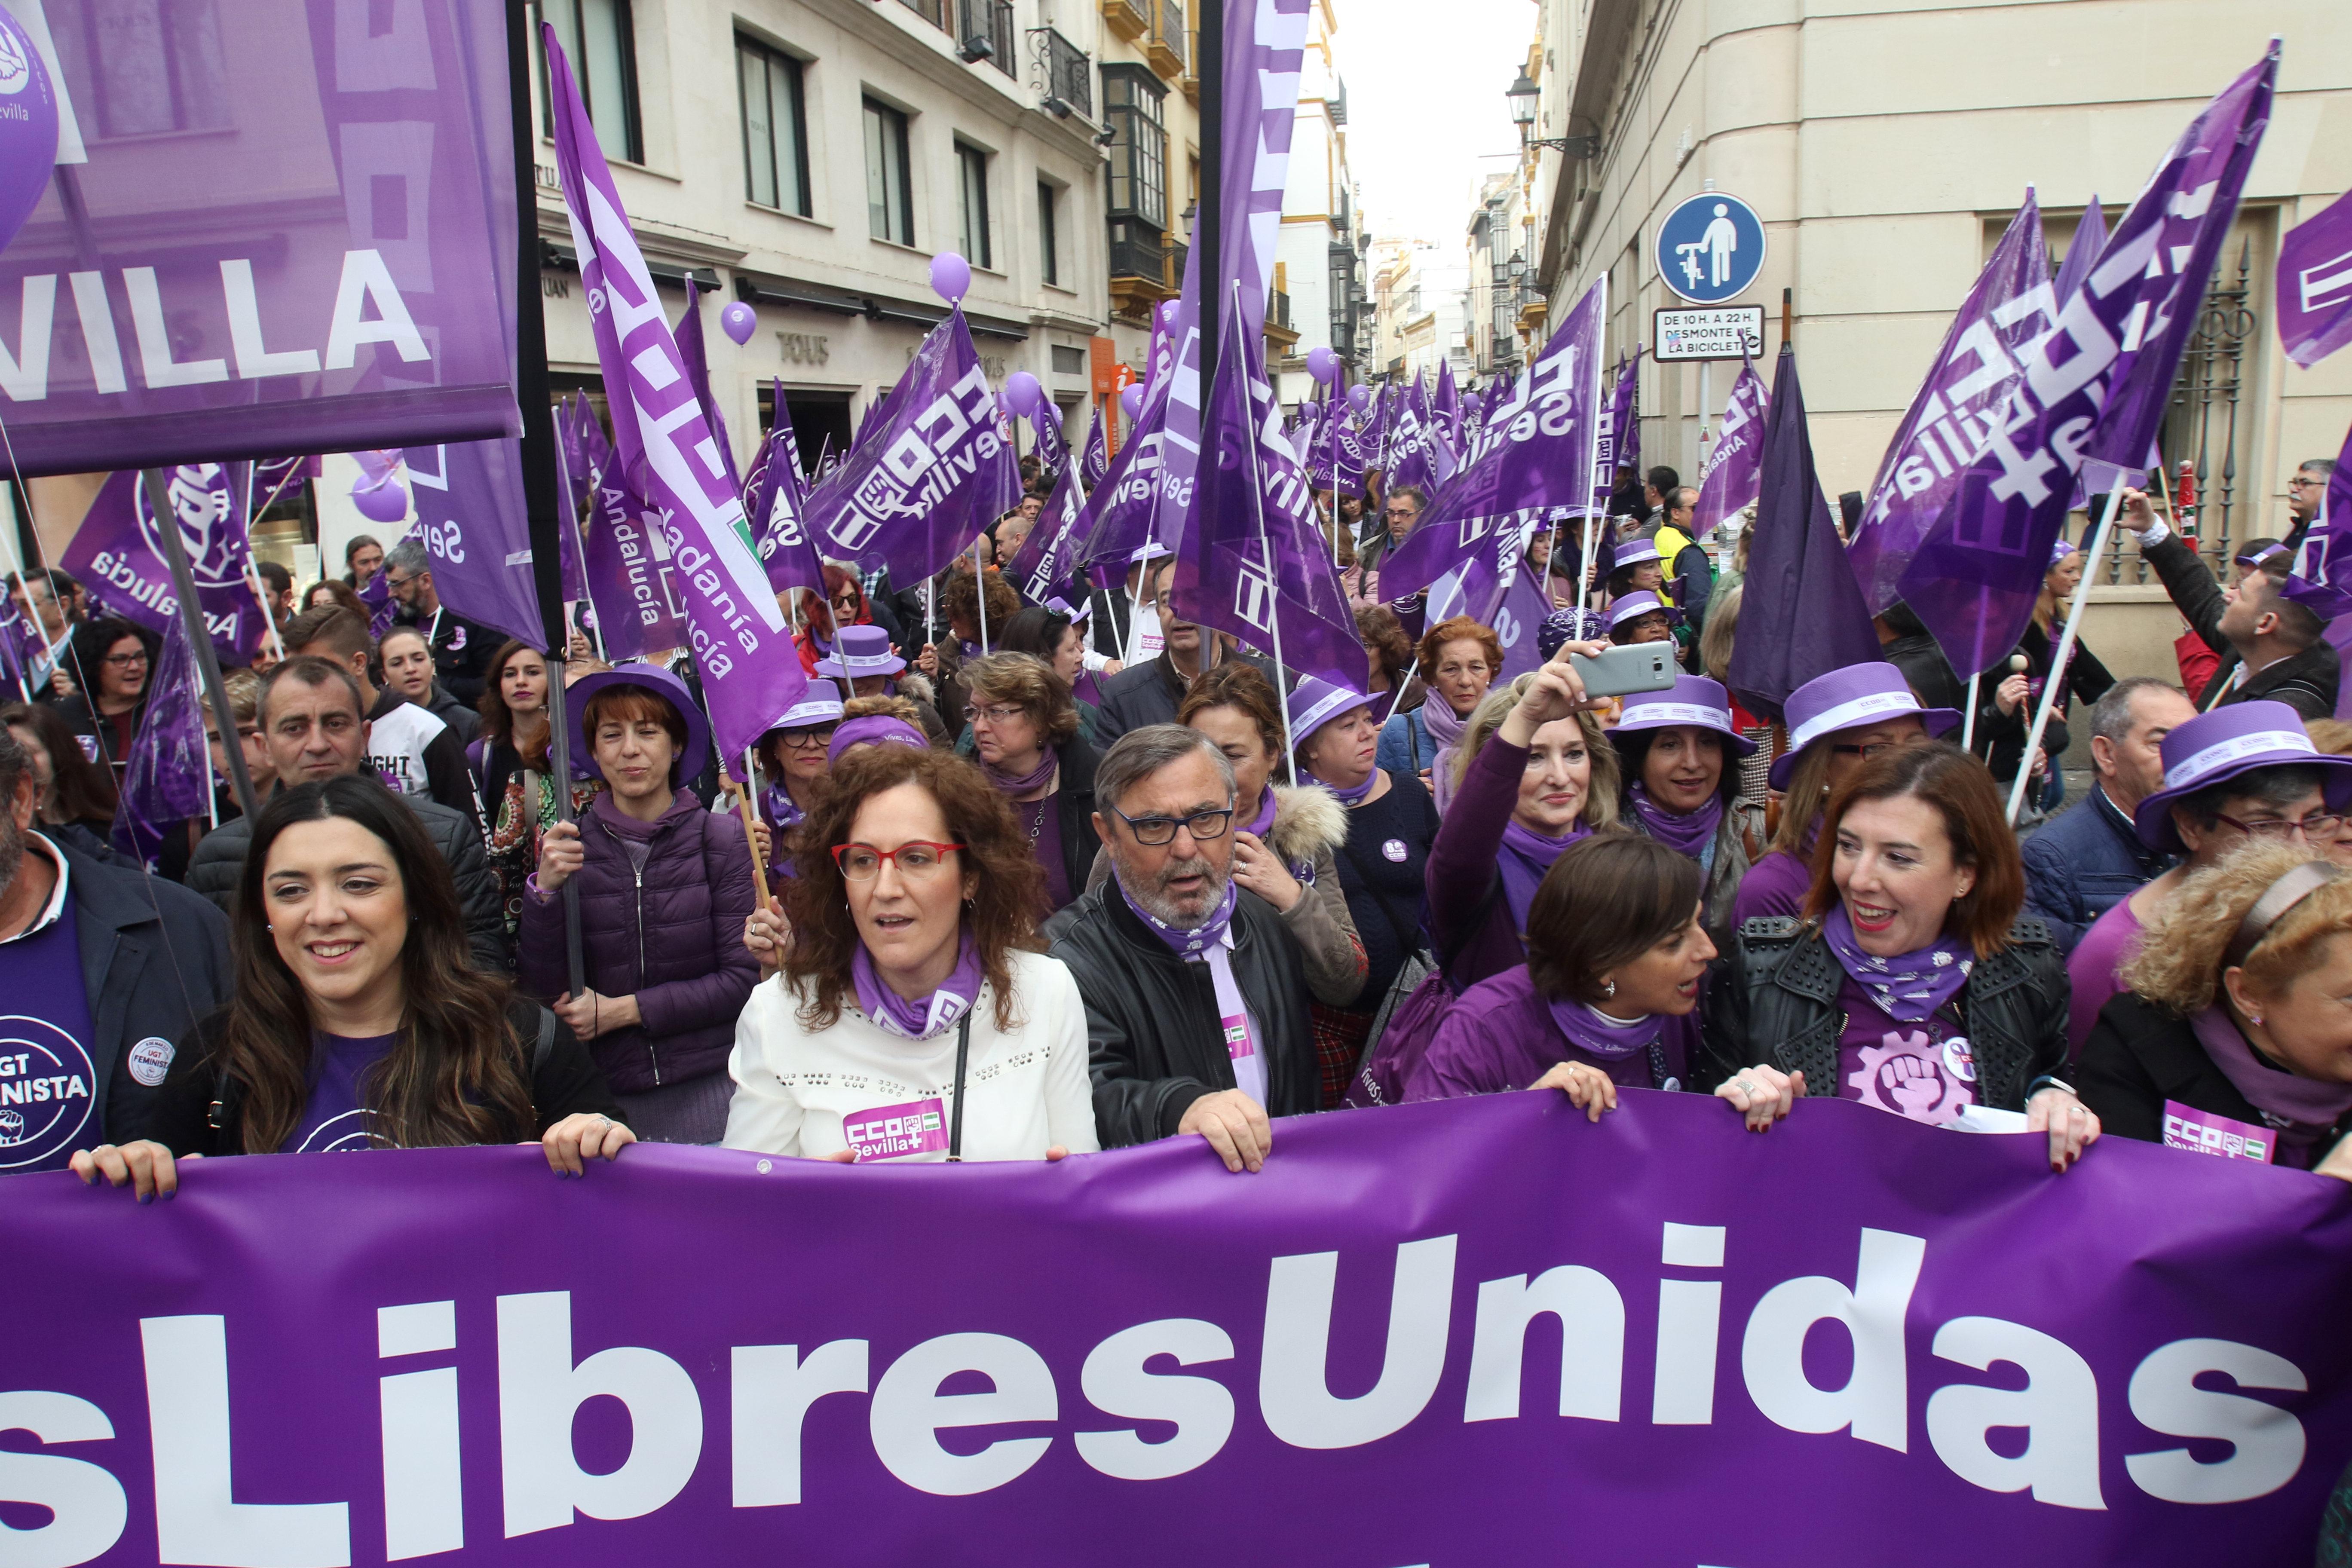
<point x="1668" y="715"/>
<point x="1330" y="706"/>
<point x="1868" y="709"/>
<point x="2232" y="756"/>
<point x="843" y="669"/>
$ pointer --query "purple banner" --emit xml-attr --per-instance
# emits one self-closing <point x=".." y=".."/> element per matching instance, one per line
<point x="2315" y="284"/>
<point x="1920" y="1340"/>
<point x="632" y="583"/>
<point x="118" y="555"/>
<point x="1048" y="557"/>
<point x="785" y="547"/>
<point x="2323" y="574"/>
<point x="1734" y="471"/>
<point x="694" y="354"/>
<point x="1967" y="391"/>
<point x="1094" y="462"/>
<point x="933" y="468"/>
<point x="168" y="778"/>
<point x="742" y="648"/>
<point x="1419" y="455"/>
<point x="294" y="230"/>
<point x="1517" y="612"/>
<point x="1053" y="453"/>
<point x="1621" y="438"/>
<point x="470" y="519"/>
<point x="1117" y="518"/>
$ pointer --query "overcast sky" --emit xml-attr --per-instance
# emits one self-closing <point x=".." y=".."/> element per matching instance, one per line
<point x="1426" y="81"/>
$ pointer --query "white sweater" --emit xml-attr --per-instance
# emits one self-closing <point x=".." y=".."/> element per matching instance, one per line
<point x="1025" y="1092"/>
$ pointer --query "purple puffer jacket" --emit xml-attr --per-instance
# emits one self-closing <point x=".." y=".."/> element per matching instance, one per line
<point x="672" y="938"/>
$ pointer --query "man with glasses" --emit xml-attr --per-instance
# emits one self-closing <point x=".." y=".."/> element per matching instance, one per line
<point x="2247" y="771"/>
<point x="461" y="650"/>
<point x="2305" y="492"/>
<point x="1194" y="987"/>
<point x="1151" y="692"/>
<point x="2090" y="858"/>
<point x="2272" y="649"/>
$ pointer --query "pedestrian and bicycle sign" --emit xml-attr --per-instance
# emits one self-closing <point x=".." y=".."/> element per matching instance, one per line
<point x="1711" y="249"/>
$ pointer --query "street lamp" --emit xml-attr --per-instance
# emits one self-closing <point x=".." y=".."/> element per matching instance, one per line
<point x="1522" y="98"/>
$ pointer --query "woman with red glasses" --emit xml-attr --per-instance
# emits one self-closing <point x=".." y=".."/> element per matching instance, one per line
<point x="916" y="1018"/>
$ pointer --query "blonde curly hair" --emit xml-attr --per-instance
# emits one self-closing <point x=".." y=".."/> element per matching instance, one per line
<point x="2177" y="962"/>
<point x="1601" y="793"/>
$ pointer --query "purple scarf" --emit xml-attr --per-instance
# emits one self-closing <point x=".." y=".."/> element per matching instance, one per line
<point x="1354" y="796"/>
<point x="1015" y="785"/>
<point x="2292" y="1104"/>
<point x="1526" y="855"/>
<point x="1263" y="821"/>
<point x="1443" y="724"/>
<point x="1684" y="833"/>
<point x="968" y="649"/>
<point x="1197" y="941"/>
<point x="781" y="813"/>
<point x="918" y="1020"/>
<point x="1595" y="1035"/>
<point x="1909" y="986"/>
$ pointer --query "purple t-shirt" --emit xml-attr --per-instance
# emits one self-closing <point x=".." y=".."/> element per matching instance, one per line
<point x="1923" y="1070"/>
<point x="49" y="1089"/>
<point x="2091" y="969"/>
<point x="1499" y="1036"/>
<point x="1775" y="885"/>
<point x="335" y="1118"/>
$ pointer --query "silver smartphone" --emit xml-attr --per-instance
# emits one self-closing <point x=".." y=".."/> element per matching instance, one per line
<point x="1621" y="671"/>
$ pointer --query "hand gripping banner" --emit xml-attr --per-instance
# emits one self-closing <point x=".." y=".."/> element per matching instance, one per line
<point x="1852" y="1340"/>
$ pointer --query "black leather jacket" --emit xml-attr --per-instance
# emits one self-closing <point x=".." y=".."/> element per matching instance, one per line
<point x="1152" y="1018"/>
<point x="1775" y="1003"/>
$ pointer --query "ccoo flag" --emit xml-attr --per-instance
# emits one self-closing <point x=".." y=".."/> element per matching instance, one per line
<point x="751" y="672"/>
<point x="1622" y="437"/>
<point x="1047" y="558"/>
<point x="1967" y="387"/>
<point x="1803" y="616"/>
<point x="1117" y="519"/>
<point x="2315" y="284"/>
<point x="1094" y="461"/>
<point x="1251" y="561"/>
<point x="470" y="519"/>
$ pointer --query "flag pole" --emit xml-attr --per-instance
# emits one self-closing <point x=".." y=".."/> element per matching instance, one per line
<point x="2058" y="657"/>
<point x="980" y="583"/>
<point x="1969" y="717"/>
<point x="1265" y="550"/>
<point x="200" y="638"/>
<point x="540" y="458"/>
<point x="750" y="836"/>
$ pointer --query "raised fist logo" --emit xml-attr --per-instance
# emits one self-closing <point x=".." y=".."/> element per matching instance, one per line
<point x="1901" y="1074"/>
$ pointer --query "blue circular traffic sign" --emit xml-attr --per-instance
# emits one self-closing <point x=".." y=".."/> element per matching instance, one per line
<point x="1710" y="248"/>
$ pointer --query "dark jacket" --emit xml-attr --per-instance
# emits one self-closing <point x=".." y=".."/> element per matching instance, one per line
<point x="2082" y="863"/>
<point x="466" y="721"/>
<point x="201" y="1111"/>
<point x="1776" y="1001"/>
<point x="2140" y="1055"/>
<point x="218" y="863"/>
<point x="1932" y="679"/>
<point x="1152" y="1018"/>
<point x="82" y="717"/>
<point x="1469" y="918"/>
<point x="154" y="959"/>
<point x="1149" y="693"/>
<point x="2305" y="682"/>
<point x="1075" y="806"/>
<point x="672" y="936"/>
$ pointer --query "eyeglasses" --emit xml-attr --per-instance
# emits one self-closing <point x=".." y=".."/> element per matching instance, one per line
<point x="809" y="739"/>
<point x="396" y="584"/>
<point x="1155" y="831"/>
<point x="1876" y="748"/>
<point x="995" y="713"/>
<point x="2323" y="828"/>
<point x="125" y="660"/>
<point x="2301" y="482"/>
<point x="1403" y="512"/>
<point x="847" y="602"/>
<point x="915" y="857"/>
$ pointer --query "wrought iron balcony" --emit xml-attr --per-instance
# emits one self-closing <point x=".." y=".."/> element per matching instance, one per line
<point x="988" y="22"/>
<point x="1167" y="48"/>
<point x="1069" y="75"/>
<point x="1136" y="252"/>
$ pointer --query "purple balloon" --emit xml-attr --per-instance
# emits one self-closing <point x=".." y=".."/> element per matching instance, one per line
<point x="383" y="501"/>
<point x="951" y="277"/>
<point x="1130" y="402"/>
<point x="738" y="322"/>
<point x="1360" y="397"/>
<point x="1022" y="395"/>
<point x="1167" y="313"/>
<point x="29" y="128"/>
<point x="1322" y="363"/>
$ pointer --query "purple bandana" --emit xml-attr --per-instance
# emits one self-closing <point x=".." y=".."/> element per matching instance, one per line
<point x="874" y="730"/>
<point x="918" y="1020"/>
<point x="1211" y="943"/>
<point x="2300" y="1109"/>
<point x="1353" y="795"/>
<point x="1684" y="833"/>
<point x="1526" y="855"/>
<point x="1909" y="986"/>
<point x="1197" y="941"/>
<point x="1263" y="821"/>
<point x="1596" y="1035"/>
<point x="1016" y="786"/>
<point x="781" y="813"/>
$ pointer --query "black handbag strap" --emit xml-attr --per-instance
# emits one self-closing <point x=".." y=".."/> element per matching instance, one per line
<point x="955" y="1115"/>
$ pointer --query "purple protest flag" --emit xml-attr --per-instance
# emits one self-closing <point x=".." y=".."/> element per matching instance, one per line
<point x="376" y="594"/>
<point x="1348" y="453"/>
<point x="694" y="354"/>
<point x="1251" y="561"/>
<point x="2315" y="284"/>
<point x="1420" y="455"/>
<point x="168" y="778"/>
<point x="28" y="127"/>
<point x="1515" y="610"/>
<point x="785" y="547"/>
<point x="470" y="519"/>
<point x="1623" y="433"/>
<point x="2090" y="238"/>
<point x="1968" y="384"/>
<point x="934" y="467"/>
<point x="1734" y="468"/>
<point x="1053" y="453"/>
<point x="579" y="484"/>
<point x="352" y="180"/>
<point x="777" y="463"/>
<point x="1117" y="518"/>
<point x="21" y="646"/>
<point x="1094" y="461"/>
<point x="1538" y="454"/>
<point x="2323" y="574"/>
<point x="118" y="555"/>
<point x="625" y="565"/>
<point x="1803" y="615"/>
<point x="750" y="672"/>
<point x="1447" y="403"/>
<point x="1049" y="556"/>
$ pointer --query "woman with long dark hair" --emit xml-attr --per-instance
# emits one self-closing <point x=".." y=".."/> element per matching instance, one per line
<point x="513" y="774"/>
<point x="76" y="799"/>
<point x="1676" y="751"/>
<point x="117" y="660"/>
<point x="358" y="1021"/>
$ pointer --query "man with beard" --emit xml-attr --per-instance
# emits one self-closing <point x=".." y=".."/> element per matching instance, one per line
<point x="103" y="970"/>
<point x="1195" y="991"/>
<point x="1150" y="692"/>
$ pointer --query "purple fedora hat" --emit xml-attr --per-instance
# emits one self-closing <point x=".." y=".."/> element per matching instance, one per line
<point x="1633" y="551"/>
<point x="1691" y="699"/>
<point x="1314" y="702"/>
<point x="820" y="704"/>
<point x="2215" y="747"/>
<point x="1641" y="604"/>
<point x="1848" y="698"/>
<point x="861" y="651"/>
<point x="661" y="683"/>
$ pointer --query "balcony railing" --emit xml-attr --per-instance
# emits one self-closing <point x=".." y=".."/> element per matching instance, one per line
<point x="1176" y="255"/>
<point x="1136" y="252"/>
<point x="1068" y="75"/>
<point x="1277" y="309"/>
<point x="1167" y="48"/>
<point x="990" y="22"/>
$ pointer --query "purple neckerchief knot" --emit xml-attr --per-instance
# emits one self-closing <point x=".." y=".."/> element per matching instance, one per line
<point x="781" y="811"/>
<point x="1683" y="832"/>
<point x="1263" y="823"/>
<point x="1351" y="796"/>
<point x="1598" y="1035"/>
<point x="1908" y="986"/>
<point x="1196" y="942"/>
<point x="921" y="1018"/>
<point x="1526" y="855"/>
<point x="1211" y="943"/>
<point x="1022" y="784"/>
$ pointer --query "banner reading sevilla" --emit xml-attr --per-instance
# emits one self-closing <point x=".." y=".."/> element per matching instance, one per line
<point x="1854" y="1339"/>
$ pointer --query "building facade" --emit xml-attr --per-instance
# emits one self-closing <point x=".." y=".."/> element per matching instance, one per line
<point x="1321" y="292"/>
<point x="1885" y="147"/>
